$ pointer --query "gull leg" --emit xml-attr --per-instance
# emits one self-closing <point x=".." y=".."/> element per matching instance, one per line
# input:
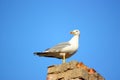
<point x="63" y="60"/>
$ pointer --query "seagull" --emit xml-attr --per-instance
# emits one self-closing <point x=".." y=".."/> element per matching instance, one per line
<point x="63" y="50"/>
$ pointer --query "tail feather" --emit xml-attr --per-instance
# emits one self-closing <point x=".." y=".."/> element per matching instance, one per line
<point x="48" y="54"/>
<point x="40" y="53"/>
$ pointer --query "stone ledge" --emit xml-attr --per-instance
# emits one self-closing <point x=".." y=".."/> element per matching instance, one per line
<point x="72" y="71"/>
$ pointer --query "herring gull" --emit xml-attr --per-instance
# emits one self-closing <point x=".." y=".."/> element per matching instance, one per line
<point x="63" y="50"/>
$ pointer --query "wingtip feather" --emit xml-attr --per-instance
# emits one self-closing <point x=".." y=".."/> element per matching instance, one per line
<point x="36" y="53"/>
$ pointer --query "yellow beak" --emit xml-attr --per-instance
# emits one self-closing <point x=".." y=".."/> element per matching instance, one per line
<point x="71" y="32"/>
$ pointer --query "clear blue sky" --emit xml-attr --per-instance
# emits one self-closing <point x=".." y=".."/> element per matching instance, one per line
<point x="27" y="26"/>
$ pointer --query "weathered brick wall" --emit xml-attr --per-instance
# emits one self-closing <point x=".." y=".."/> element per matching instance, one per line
<point x="72" y="71"/>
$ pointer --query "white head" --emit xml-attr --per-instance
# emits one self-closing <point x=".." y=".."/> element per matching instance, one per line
<point x="75" y="32"/>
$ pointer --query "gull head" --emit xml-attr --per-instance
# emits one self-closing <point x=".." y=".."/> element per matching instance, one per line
<point x="75" y="32"/>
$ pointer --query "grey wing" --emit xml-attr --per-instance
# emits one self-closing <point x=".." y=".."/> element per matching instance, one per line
<point x="58" y="47"/>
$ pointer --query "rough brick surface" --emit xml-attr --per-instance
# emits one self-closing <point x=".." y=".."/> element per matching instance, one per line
<point x="72" y="71"/>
